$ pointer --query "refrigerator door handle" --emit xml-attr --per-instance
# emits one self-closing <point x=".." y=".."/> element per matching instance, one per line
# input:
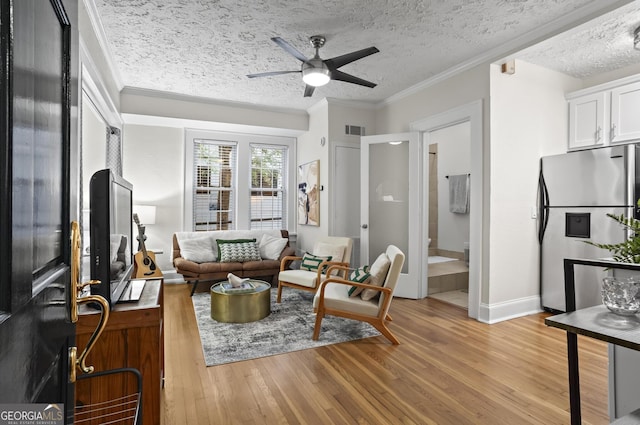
<point x="543" y="214"/>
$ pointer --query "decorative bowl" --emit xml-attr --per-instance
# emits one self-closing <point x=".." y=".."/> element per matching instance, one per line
<point x="621" y="295"/>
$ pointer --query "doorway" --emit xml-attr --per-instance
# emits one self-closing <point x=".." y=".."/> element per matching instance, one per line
<point x="449" y="159"/>
<point x="471" y="113"/>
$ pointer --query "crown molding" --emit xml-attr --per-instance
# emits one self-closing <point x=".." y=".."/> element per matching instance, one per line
<point x="98" y="29"/>
<point x="93" y="86"/>
<point x="137" y="91"/>
<point x="156" y="121"/>
<point x="548" y="30"/>
<point x="351" y="103"/>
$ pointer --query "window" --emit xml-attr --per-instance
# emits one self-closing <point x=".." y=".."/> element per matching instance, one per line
<point x="268" y="174"/>
<point x="238" y="181"/>
<point x="214" y="185"/>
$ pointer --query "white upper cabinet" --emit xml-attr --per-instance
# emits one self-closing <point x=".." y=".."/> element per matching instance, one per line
<point x="625" y="113"/>
<point x="605" y="115"/>
<point x="588" y="119"/>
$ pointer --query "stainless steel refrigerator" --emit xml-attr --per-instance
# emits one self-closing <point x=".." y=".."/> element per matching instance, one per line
<point x="575" y="192"/>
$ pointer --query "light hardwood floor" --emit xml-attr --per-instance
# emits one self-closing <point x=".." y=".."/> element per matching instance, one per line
<point x="448" y="369"/>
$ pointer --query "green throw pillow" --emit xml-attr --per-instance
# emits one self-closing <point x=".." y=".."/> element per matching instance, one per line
<point x="312" y="262"/>
<point x="221" y="242"/>
<point x="239" y="252"/>
<point x="360" y="275"/>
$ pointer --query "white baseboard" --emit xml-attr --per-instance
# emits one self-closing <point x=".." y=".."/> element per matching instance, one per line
<point x="494" y="313"/>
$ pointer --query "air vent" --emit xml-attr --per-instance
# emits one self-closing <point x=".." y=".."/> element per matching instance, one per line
<point x="354" y="130"/>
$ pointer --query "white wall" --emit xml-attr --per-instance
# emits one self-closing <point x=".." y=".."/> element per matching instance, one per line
<point x="529" y="119"/>
<point x="153" y="161"/>
<point x="309" y="149"/>
<point x="454" y="157"/>
<point x="342" y="113"/>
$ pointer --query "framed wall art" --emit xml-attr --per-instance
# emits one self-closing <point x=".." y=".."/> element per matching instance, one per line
<point x="309" y="193"/>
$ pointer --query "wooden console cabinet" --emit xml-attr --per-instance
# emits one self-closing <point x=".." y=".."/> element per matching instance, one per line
<point x="134" y="338"/>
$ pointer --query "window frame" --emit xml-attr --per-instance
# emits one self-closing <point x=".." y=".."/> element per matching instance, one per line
<point x="285" y="189"/>
<point x="242" y="203"/>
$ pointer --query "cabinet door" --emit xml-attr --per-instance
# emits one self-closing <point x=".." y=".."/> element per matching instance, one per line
<point x="625" y="113"/>
<point x="587" y="117"/>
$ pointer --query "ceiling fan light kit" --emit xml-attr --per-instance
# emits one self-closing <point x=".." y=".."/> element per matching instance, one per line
<point x="315" y="75"/>
<point x="316" y="71"/>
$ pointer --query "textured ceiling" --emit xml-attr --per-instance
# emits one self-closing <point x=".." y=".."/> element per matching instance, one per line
<point x="206" y="47"/>
<point x="601" y="45"/>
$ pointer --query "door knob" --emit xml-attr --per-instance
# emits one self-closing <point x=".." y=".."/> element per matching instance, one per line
<point x="364" y="226"/>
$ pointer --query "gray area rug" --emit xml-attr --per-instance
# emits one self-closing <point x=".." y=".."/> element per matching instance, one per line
<point x="288" y="328"/>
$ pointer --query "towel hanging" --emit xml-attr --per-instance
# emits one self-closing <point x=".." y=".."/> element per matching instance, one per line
<point x="459" y="193"/>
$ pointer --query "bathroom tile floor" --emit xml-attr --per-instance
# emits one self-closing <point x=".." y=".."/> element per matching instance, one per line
<point x="458" y="297"/>
<point x="449" y="282"/>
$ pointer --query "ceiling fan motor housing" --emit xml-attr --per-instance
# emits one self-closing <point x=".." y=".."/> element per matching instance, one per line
<point x="317" y="41"/>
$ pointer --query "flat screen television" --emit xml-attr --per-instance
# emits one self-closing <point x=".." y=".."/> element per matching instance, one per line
<point x="111" y="231"/>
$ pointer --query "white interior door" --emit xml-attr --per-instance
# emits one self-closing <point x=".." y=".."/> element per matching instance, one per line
<point x="390" y="201"/>
<point x="346" y="196"/>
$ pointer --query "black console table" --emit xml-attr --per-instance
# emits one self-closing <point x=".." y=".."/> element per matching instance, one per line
<point x="595" y="322"/>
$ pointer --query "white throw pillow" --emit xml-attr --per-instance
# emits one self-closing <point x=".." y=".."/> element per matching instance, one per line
<point x="198" y="250"/>
<point x="378" y="272"/>
<point x="270" y="247"/>
<point x="336" y="252"/>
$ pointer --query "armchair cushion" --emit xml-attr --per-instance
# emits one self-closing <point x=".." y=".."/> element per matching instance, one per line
<point x="198" y="250"/>
<point x="238" y="252"/>
<point x="378" y="272"/>
<point x="271" y="247"/>
<point x="311" y="262"/>
<point x="336" y="297"/>
<point x="301" y="277"/>
<point x="360" y="275"/>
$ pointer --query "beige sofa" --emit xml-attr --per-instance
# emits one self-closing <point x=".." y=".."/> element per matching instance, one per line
<point x="195" y="255"/>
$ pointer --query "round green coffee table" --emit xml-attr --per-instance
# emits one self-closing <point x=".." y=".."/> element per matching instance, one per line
<point x="240" y="307"/>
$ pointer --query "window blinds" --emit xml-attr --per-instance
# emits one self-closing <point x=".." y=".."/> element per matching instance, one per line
<point x="214" y="181"/>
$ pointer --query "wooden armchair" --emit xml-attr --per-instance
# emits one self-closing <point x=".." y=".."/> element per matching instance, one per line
<point x="333" y="298"/>
<point x="338" y="248"/>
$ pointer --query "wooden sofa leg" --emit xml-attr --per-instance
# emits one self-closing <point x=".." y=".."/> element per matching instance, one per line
<point x="193" y="290"/>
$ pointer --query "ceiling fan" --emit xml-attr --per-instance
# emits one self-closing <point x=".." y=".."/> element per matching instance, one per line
<point x="316" y="71"/>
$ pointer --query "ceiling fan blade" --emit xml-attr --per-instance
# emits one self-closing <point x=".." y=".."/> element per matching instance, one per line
<point x="348" y="78"/>
<point x="339" y="61"/>
<point x="308" y="90"/>
<point x="290" y="49"/>
<point x="271" y="73"/>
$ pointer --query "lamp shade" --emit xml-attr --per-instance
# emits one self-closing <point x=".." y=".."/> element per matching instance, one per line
<point x="146" y="213"/>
